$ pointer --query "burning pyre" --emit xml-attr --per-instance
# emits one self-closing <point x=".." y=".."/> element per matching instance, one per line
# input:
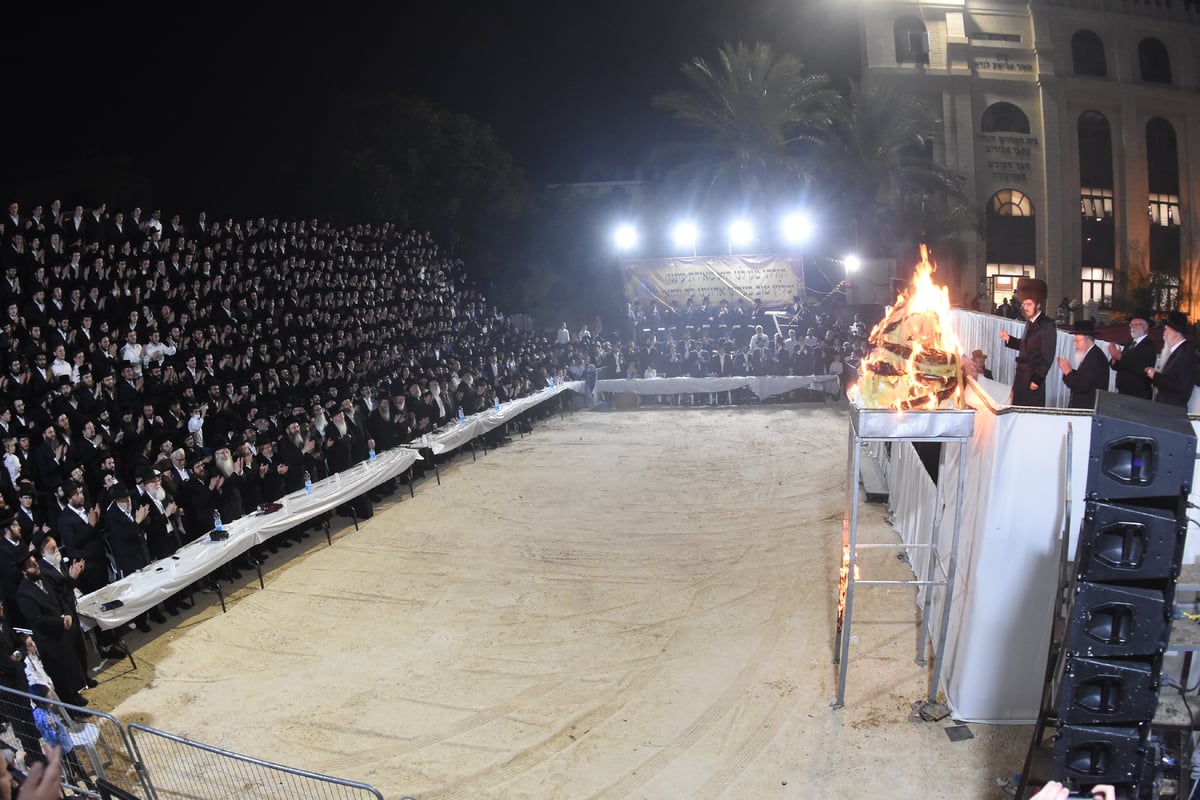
<point x="915" y="362"/>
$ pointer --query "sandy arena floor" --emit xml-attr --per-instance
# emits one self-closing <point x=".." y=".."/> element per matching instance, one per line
<point x="631" y="604"/>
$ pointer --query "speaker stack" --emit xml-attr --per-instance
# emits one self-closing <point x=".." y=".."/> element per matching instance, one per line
<point x="1127" y="561"/>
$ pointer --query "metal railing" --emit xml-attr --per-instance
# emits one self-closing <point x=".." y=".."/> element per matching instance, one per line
<point x="180" y="769"/>
<point x="99" y="746"/>
<point x="143" y="763"/>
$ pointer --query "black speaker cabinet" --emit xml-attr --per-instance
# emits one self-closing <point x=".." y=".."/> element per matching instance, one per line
<point x="1089" y="755"/>
<point x="1109" y="620"/>
<point x="1141" y="451"/>
<point x="1095" y="691"/>
<point x="1120" y="543"/>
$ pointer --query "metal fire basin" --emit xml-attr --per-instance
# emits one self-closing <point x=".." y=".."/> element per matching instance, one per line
<point x="931" y="425"/>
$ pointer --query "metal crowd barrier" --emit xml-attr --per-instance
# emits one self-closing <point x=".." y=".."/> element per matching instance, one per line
<point x="136" y="762"/>
<point x="180" y="769"/>
<point x="100" y="755"/>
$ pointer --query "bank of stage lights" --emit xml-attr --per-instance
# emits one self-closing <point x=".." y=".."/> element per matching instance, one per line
<point x="740" y="236"/>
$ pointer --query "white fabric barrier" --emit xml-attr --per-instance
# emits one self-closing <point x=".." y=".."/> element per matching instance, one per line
<point x="762" y="386"/>
<point x="1013" y="519"/>
<point x="156" y="582"/>
<point x="979" y="331"/>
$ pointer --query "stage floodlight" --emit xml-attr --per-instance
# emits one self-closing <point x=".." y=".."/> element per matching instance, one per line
<point x="625" y="237"/>
<point x="741" y="233"/>
<point x="797" y="228"/>
<point x="685" y="234"/>
<point x="852" y="263"/>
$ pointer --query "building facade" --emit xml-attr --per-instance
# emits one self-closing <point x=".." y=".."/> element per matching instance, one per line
<point x="1073" y="123"/>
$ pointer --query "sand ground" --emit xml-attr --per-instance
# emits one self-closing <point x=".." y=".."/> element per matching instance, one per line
<point x="625" y="604"/>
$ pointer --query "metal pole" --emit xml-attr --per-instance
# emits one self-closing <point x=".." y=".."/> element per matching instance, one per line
<point x="931" y="562"/>
<point x="950" y="572"/>
<point x="849" y="557"/>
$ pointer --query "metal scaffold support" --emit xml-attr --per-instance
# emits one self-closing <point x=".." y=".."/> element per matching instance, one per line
<point x="889" y="426"/>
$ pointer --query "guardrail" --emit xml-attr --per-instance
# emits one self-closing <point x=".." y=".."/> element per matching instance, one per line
<point x="108" y="759"/>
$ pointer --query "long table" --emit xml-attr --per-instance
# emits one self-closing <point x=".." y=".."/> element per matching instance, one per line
<point x="762" y="386"/>
<point x="156" y="582"/>
<point x="456" y="434"/>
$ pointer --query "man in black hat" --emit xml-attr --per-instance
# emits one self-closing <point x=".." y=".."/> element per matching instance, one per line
<point x="1130" y="362"/>
<point x="123" y="528"/>
<point x="81" y="540"/>
<point x="52" y="622"/>
<point x="1086" y="372"/>
<point x="14" y="549"/>
<point x="1173" y="382"/>
<point x="1035" y="348"/>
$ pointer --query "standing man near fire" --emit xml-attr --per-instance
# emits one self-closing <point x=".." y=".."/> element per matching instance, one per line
<point x="1130" y="362"/>
<point x="1086" y="372"/>
<point x="1035" y="349"/>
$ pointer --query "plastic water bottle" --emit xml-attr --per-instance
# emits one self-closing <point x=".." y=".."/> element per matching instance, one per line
<point x="497" y="404"/>
<point x="551" y="381"/>
<point x="461" y="416"/>
<point x="307" y="483"/>
<point x="217" y="526"/>
<point x="371" y="454"/>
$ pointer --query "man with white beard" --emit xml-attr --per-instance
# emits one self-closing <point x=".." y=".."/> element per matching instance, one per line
<point x="1086" y="372"/>
<point x="339" y="441"/>
<point x="295" y="451"/>
<point x="229" y="498"/>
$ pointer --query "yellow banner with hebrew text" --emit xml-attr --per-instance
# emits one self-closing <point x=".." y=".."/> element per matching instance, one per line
<point x="670" y="282"/>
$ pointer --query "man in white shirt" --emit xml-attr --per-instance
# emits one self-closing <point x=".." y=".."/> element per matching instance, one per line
<point x="132" y="353"/>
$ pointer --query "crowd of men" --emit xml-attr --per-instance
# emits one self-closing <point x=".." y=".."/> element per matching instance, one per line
<point x="703" y="339"/>
<point x="156" y="372"/>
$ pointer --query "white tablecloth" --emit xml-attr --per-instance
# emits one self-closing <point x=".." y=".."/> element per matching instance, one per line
<point x="456" y="434"/>
<point x="762" y="386"/>
<point x="156" y="582"/>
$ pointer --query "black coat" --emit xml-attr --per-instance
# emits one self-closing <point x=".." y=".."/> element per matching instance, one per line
<point x="1088" y="378"/>
<point x="1131" y="368"/>
<point x="1035" y="355"/>
<point x="1174" y="382"/>
<point x="81" y="540"/>
<point x="126" y="540"/>
<point x="43" y="609"/>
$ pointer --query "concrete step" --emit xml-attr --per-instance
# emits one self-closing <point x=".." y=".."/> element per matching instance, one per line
<point x="874" y="482"/>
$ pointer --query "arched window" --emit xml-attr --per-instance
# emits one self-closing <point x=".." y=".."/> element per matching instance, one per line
<point x="1095" y="152"/>
<point x="1004" y="117"/>
<point x="1162" y="168"/>
<point x="1097" y="228"/>
<point x="912" y="41"/>
<point x="1010" y="203"/>
<point x="1011" y="232"/>
<point x="1087" y="54"/>
<point x="1154" y="61"/>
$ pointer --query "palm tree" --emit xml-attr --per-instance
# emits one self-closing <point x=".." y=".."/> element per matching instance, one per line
<point x="753" y="112"/>
<point x="877" y="169"/>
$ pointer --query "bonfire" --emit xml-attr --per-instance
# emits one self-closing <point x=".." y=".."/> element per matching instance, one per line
<point x="915" y="362"/>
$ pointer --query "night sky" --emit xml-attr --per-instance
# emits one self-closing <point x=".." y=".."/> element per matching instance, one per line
<point x="566" y="84"/>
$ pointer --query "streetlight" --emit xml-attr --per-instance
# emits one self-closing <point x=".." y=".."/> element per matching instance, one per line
<point x="625" y="237"/>
<point x="685" y="235"/>
<point x="741" y="233"/>
<point x="851" y="262"/>
<point x="797" y="228"/>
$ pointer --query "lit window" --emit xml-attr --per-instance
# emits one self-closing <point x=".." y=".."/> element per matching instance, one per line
<point x="1011" y="203"/>
<point x="1097" y="285"/>
<point x="1096" y="203"/>
<point x="1164" y="210"/>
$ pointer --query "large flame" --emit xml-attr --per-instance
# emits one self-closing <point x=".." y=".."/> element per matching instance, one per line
<point x="916" y="360"/>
